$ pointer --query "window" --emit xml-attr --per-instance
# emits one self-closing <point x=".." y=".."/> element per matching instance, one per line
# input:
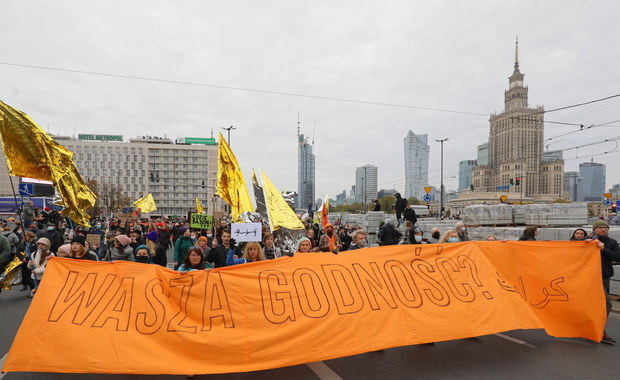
<point x="79" y="149"/>
<point x="118" y="150"/>
<point x="133" y="150"/>
<point x="87" y="149"/>
<point x="125" y="150"/>
<point x="109" y="150"/>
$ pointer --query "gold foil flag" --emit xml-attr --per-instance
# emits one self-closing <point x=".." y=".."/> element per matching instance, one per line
<point x="230" y="183"/>
<point x="199" y="208"/>
<point x="31" y="152"/>
<point x="280" y="213"/>
<point x="146" y="203"/>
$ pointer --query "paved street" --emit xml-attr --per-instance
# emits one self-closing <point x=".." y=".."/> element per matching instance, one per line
<point x="522" y="354"/>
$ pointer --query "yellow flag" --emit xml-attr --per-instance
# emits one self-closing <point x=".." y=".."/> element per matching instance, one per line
<point x="31" y="152"/>
<point x="230" y="183"/>
<point x="146" y="203"/>
<point x="280" y="214"/>
<point x="199" y="208"/>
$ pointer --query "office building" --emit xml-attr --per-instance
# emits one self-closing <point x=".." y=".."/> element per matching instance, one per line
<point x="465" y="176"/>
<point x="305" y="171"/>
<point x="175" y="172"/>
<point x="593" y="177"/>
<point x="416" y="164"/>
<point x="366" y="183"/>
<point x="483" y="154"/>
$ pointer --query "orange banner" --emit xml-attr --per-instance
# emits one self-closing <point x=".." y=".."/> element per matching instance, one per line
<point x="123" y="317"/>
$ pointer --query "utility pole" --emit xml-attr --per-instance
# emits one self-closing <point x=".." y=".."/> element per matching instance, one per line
<point x="442" y="190"/>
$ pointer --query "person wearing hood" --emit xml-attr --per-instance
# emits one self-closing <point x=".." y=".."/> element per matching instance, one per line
<point x="38" y="261"/>
<point x="416" y="236"/>
<point x="181" y="246"/>
<point x="55" y="237"/>
<point x="142" y="254"/>
<point x="461" y="230"/>
<point x="157" y="252"/>
<point x="330" y="241"/>
<point x="388" y="235"/>
<point x="399" y="207"/>
<point x="359" y="240"/>
<point x="120" y="250"/>
<point x="304" y="245"/>
<point x="79" y="250"/>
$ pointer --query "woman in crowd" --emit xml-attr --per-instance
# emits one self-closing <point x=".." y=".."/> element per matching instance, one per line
<point x="416" y="235"/>
<point x="24" y="251"/>
<point x="271" y="251"/>
<point x="182" y="245"/>
<point x="451" y="236"/>
<point x="142" y="254"/>
<point x="203" y="244"/>
<point x="79" y="250"/>
<point x="304" y="245"/>
<point x="157" y="251"/>
<point x="529" y="233"/>
<point x="253" y="252"/>
<point x="579" y="235"/>
<point x="314" y="242"/>
<point x="193" y="261"/>
<point x="121" y="249"/>
<point x="38" y="261"/>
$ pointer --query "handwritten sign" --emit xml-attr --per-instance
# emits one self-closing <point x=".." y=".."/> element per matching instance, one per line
<point x="94" y="240"/>
<point x="246" y="231"/>
<point x="201" y="221"/>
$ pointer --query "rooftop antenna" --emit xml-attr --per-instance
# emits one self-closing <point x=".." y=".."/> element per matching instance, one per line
<point x="211" y="132"/>
<point x="517" y="54"/>
<point x="298" y="128"/>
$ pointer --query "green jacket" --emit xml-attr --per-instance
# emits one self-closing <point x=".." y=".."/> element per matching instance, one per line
<point x="180" y="249"/>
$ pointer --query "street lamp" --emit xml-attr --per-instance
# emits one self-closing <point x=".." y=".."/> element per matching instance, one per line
<point x="442" y="190"/>
<point x="228" y="130"/>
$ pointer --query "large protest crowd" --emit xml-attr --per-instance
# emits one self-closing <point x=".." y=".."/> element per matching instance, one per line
<point x="47" y="234"/>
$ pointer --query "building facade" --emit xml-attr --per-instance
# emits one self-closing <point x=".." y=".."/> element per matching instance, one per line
<point x="175" y="173"/>
<point x="516" y="150"/>
<point x="416" y="164"/>
<point x="305" y="173"/>
<point x="593" y="177"/>
<point x="572" y="185"/>
<point x="366" y="179"/>
<point x="482" y="158"/>
<point x="465" y="174"/>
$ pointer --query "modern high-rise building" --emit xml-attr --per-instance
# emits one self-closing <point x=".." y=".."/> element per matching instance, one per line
<point x="465" y="170"/>
<point x="593" y="177"/>
<point x="366" y="178"/>
<point x="416" y="164"/>
<point x="483" y="154"/>
<point x="305" y="171"/>
<point x="516" y="148"/>
<point x="573" y="185"/>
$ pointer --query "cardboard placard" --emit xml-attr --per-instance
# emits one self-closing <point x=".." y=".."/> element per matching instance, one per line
<point x="246" y="231"/>
<point x="94" y="240"/>
<point x="201" y="221"/>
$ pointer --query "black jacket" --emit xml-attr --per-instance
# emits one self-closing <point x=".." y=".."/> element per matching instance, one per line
<point x="218" y="255"/>
<point x="610" y="253"/>
<point x="410" y="215"/>
<point x="388" y="235"/>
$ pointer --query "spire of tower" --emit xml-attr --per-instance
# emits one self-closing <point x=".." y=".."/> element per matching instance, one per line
<point x="517" y="54"/>
<point x="298" y="131"/>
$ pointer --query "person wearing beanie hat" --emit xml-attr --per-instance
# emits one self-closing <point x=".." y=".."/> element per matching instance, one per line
<point x="79" y="250"/>
<point x="304" y="245"/>
<point x="157" y="250"/>
<point x="38" y="261"/>
<point x="121" y="249"/>
<point x="44" y="241"/>
<point x="142" y="254"/>
<point x="610" y="252"/>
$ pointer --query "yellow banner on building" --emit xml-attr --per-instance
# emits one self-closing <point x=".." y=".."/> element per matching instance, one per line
<point x="302" y="309"/>
<point x="31" y="152"/>
<point x="230" y="183"/>
<point x="280" y="213"/>
<point x="146" y="203"/>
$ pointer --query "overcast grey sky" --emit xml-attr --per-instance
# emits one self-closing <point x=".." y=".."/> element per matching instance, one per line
<point x="434" y="54"/>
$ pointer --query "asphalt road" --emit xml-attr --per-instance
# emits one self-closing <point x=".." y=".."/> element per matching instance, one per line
<point x="520" y="354"/>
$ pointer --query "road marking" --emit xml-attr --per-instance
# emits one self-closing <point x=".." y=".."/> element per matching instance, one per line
<point x="515" y="340"/>
<point x="323" y="371"/>
<point x="1" y="364"/>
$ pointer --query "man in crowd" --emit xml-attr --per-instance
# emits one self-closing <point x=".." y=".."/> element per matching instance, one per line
<point x="461" y="231"/>
<point x="410" y="215"/>
<point x="388" y="235"/>
<point x="218" y="254"/>
<point x="330" y="242"/>
<point x="610" y="252"/>
<point x="399" y="207"/>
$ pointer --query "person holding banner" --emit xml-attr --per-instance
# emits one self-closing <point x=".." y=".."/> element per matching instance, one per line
<point x="304" y="245"/>
<point x="253" y="252"/>
<point x="157" y="251"/>
<point x="219" y="254"/>
<point x="193" y="261"/>
<point x="182" y="245"/>
<point x="270" y="250"/>
<point x="79" y="250"/>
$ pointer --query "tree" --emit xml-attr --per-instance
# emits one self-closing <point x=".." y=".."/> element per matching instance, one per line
<point x="387" y="203"/>
<point x="109" y="197"/>
<point x="561" y="200"/>
<point x="413" y="201"/>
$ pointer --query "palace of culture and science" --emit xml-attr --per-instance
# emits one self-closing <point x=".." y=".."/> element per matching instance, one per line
<point x="517" y="162"/>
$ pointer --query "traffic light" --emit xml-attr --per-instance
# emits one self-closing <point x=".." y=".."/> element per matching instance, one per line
<point x="512" y="182"/>
<point x="517" y="181"/>
<point x="613" y="207"/>
<point x="471" y="187"/>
